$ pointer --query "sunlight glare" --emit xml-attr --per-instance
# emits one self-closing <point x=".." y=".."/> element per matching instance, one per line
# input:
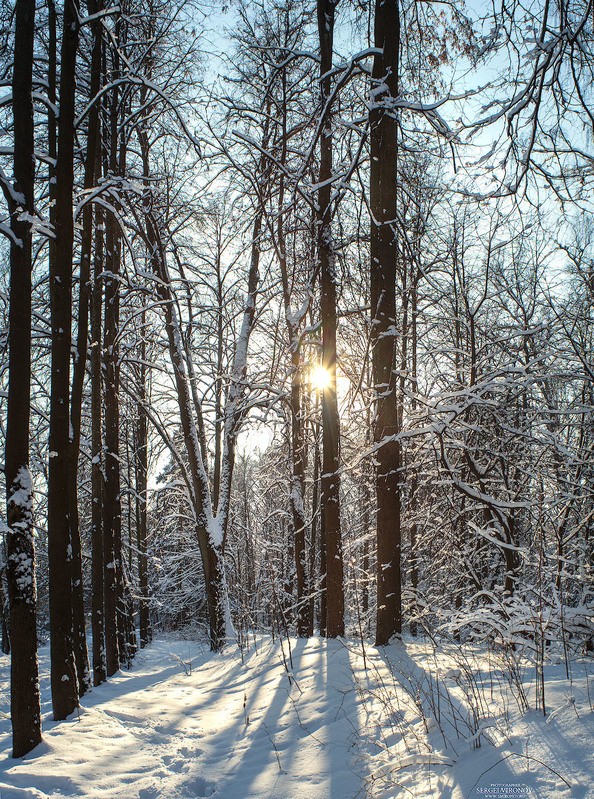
<point x="320" y="378"/>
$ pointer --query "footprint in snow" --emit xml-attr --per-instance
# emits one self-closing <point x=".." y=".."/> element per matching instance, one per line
<point x="197" y="787"/>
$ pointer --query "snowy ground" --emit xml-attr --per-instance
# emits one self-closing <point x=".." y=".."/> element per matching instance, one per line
<point x="184" y="724"/>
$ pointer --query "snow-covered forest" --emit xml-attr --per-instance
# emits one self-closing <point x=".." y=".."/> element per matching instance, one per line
<point x="297" y="399"/>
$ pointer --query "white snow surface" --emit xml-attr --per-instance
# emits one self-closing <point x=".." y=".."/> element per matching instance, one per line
<point x="307" y="720"/>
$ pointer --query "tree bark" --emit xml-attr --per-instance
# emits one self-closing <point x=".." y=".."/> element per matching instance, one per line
<point x="330" y="488"/>
<point x="383" y="195"/>
<point x="304" y="617"/>
<point x="80" y="363"/>
<point x="97" y="578"/>
<point x="63" y="669"/>
<point x="24" y="678"/>
<point x="4" y="606"/>
<point x="141" y="469"/>
<point x="112" y="512"/>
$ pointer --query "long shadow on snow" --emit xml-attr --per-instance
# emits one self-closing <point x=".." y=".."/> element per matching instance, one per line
<point x="261" y="735"/>
<point x="474" y="769"/>
<point x="344" y="781"/>
<point x="327" y="728"/>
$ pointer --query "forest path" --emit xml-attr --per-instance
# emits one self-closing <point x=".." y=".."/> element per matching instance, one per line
<point x="314" y="720"/>
<point x="184" y="723"/>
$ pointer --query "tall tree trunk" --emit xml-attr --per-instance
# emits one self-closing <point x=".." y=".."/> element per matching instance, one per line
<point x="210" y="528"/>
<point x="98" y="583"/>
<point x="366" y="507"/>
<point x="209" y="543"/>
<point x="330" y="495"/>
<point x="383" y="194"/>
<point x="24" y="679"/>
<point x="413" y="499"/>
<point x="304" y="617"/>
<point x="117" y="630"/>
<point x="52" y="119"/>
<point x="141" y="472"/>
<point x="4" y="606"/>
<point x="317" y="536"/>
<point x="209" y="537"/>
<point x="112" y="513"/>
<point x="219" y="386"/>
<point x="233" y="412"/>
<point x="80" y="363"/>
<point x="63" y="669"/>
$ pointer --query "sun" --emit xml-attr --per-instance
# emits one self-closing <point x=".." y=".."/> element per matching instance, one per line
<point x="320" y="378"/>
